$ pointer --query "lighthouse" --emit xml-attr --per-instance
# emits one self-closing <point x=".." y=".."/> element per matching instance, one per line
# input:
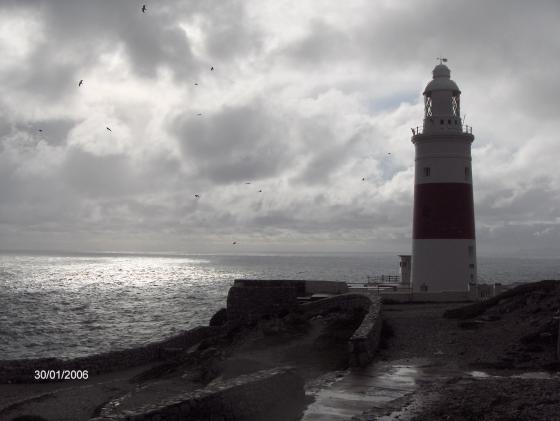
<point x="443" y="245"/>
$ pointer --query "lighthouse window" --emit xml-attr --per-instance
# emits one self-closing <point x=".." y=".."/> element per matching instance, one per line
<point x="455" y="105"/>
<point x="428" y="106"/>
<point x="467" y="173"/>
<point x="471" y="265"/>
<point x="426" y="171"/>
<point x="471" y="251"/>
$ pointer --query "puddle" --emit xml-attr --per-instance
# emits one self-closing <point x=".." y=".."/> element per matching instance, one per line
<point x="361" y="390"/>
<point x="529" y="375"/>
<point x="536" y="375"/>
<point x="386" y="390"/>
<point x="479" y="375"/>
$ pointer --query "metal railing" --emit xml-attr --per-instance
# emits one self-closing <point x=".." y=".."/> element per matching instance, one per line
<point x="419" y="130"/>
<point x="384" y="279"/>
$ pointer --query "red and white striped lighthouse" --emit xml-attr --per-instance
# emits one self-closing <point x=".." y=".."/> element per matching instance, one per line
<point x="443" y="245"/>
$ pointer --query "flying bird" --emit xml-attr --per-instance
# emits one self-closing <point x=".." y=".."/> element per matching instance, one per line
<point x="108" y="129"/>
<point x="41" y="130"/>
<point x="195" y="84"/>
<point x="197" y="196"/>
<point x="363" y="179"/>
<point x="212" y="68"/>
<point x="144" y="9"/>
<point x="260" y="191"/>
<point x="81" y="82"/>
<point x="234" y="243"/>
<point x="248" y="182"/>
<point x="199" y="114"/>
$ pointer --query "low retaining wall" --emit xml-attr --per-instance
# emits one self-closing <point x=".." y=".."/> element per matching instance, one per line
<point x="365" y="340"/>
<point x="22" y="371"/>
<point x="363" y="344"/>
<point x="276" y="394"/>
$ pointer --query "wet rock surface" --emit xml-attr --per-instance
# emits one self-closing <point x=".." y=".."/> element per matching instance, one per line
<point x="506" y="336"/>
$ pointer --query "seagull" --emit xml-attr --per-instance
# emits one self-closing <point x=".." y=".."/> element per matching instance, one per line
<point x="388" y="153"/>
<point x="108" y="129"/>
<point x="260" y="191"/>
<point x="144" y="9"/>
<point x="41" y="130"/>
<point x="363" y="179"/>
<point x="81" y="82"/>
<point x="234" y="243"/>
<point x="248" y="182"/>
<point x="197" y="196"/>
<point x="195" y="84"/>
<point x="212" y="68"/>
<point x="199" y="114"/>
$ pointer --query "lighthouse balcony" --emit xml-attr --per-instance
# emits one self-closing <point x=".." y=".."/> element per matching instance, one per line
<point x="431" y="130"/>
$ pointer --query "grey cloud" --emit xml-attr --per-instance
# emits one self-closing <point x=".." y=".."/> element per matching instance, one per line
<point x="235" y="144"/>
<point x="322" y="44"/>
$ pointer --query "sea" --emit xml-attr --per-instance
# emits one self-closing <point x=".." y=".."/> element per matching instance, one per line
<point x="72" y="305"/>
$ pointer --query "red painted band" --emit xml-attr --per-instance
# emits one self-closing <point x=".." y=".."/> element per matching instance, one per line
<point x="443" y="210"/>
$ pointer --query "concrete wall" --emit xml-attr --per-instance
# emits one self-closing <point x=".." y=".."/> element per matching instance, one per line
<point x="276" y="394"/>
<point x="325" y="287"/>
<point x="249" y="300"/>
<point x="21" y="371"/>
<point x="303" y="287"/>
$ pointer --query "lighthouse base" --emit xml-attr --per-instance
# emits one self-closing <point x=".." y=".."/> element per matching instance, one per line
<point x="443" y="265"/>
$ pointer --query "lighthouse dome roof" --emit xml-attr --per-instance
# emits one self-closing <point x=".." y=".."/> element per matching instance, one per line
<point x="441" y="81"/>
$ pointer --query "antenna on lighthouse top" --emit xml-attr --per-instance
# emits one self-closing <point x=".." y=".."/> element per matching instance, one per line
<point x="442" y="60"/>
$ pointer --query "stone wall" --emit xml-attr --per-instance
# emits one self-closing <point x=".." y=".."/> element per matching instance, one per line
<point x="365" y="340"/>
<point x="363" y="344"/>
<point x="276" y="394"/>
<point x="22" y="371"/>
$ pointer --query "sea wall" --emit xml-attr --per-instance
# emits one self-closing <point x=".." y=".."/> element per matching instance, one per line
<point x="275" y="394"/>
<point x="22" y="371"/>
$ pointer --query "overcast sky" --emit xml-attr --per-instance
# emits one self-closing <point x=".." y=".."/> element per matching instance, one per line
<point x="306" y="98"/>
